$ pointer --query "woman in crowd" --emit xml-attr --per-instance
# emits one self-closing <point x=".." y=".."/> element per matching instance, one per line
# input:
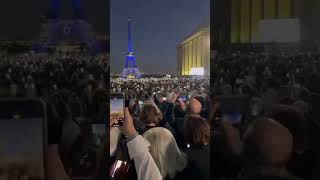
<point x="197" y="138"/>
<point x="152" y="117"/>
<point x="171" y="161"/>
<point x="167" y="104"/>
<point x="138" y="150"/>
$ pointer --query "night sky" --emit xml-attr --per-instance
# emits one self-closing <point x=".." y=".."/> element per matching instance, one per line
<point x="21" y="19"/>
<point x="158" y="26"/>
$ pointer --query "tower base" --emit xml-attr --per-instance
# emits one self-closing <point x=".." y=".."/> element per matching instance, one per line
<point x="131" y="73"/>
<point x="57" y="31"/>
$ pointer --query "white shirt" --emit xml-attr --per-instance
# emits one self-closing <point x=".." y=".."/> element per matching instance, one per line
<point x="114" y="139"/>
<point x="146" y="168"/>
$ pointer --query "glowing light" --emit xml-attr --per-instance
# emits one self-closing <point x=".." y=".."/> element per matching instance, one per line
<point x="197" y="71"/>
<point x="208" y="41"/>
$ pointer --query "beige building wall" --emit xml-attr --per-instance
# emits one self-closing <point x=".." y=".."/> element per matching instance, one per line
<point x="246" y="15"/>
<point x="194" y="52"/>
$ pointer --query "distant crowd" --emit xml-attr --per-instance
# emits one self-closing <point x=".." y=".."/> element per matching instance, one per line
<point x="273" y="99"/>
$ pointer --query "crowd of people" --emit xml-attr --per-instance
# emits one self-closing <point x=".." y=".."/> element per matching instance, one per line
<point x="166" y="130"/>
<point x="254" y="72"/>
<point x="74" y="87"/>
<point x="273" y="127"/>
<point x="255" y="118"/>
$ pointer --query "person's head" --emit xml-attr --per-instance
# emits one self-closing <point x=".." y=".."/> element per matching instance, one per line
<point x="150" y="113"/>
<point x="267" y="143"/>
<point x="197" y="130"/>
<point x="292" y="119"/>
<point x="164" y="149"/>
<point x="195" y="106"/>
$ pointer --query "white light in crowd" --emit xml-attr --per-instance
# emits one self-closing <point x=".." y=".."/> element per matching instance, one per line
<point x="197" y="71"/>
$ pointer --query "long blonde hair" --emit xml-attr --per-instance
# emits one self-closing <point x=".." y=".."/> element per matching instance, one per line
<point x="165" y="152"/>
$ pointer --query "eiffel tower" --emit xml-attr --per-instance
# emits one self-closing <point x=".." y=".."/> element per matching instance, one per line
<point x="130" y="69"/>
<point x="56" y="30"/>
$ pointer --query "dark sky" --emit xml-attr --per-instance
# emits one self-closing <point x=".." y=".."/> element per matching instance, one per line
<point x="159" y="25"/>
<point x="21" y="18"/>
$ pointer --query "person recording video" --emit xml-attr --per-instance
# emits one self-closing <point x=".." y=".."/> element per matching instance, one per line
<point x="137" y="149"/>
<point x="160" y="108"/>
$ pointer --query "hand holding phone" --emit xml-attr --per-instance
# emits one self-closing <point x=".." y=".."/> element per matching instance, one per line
<point x="23" y="127"/>
<point x="120" y="170"/>
<point x="183" y="98"/>
<point x="128" y="127"/>
<point x="182" y="104"/>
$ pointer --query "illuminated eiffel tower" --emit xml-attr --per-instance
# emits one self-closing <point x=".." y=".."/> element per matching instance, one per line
<point x="130" y="69"/>
<point x="57" y="30"/>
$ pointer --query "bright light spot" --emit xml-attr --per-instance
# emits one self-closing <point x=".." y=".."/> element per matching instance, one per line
<point x="197" y="71"/>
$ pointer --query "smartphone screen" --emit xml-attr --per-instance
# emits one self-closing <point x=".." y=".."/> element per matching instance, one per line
<point x="23" y="138"/>
<point x="117" y="109"/>
<point x="141" y="104"/>
<point x="233" y="117"/>
<point x="164" y="99"/>
<point x="116" y="168"/>
<point x="184" y="97"/>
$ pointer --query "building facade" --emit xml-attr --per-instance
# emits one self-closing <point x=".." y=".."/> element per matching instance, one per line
<point x="194" y="53"/>
<point x="246" y="15"/>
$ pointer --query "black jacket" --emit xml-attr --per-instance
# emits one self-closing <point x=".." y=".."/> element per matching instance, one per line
<point x="199" y="160"/>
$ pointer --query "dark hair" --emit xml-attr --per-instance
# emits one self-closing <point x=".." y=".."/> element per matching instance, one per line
<point x="150" y="114"/>
<point x="197" y="130"/>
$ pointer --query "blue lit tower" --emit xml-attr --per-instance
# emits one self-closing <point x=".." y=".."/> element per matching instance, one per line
<point x="55" y="9"/>
<point x="75" y="29"/>
<point x="130" y="68"/>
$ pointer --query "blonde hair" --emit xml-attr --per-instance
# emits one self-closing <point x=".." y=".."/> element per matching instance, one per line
<point x="164" y="149"/>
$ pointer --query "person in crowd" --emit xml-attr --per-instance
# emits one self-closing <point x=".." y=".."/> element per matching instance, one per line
<point x="267" y="149"/>
<point x="195" y="106"/>
<point x="56" y="78"/>
<point x="302" y="156"/>
<point x="280" y="85"/>
<point x="138" y="150"/>
<point x="197" y="138"/>
<point x="171" y="161"/>
<point x="150" y="115"/>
